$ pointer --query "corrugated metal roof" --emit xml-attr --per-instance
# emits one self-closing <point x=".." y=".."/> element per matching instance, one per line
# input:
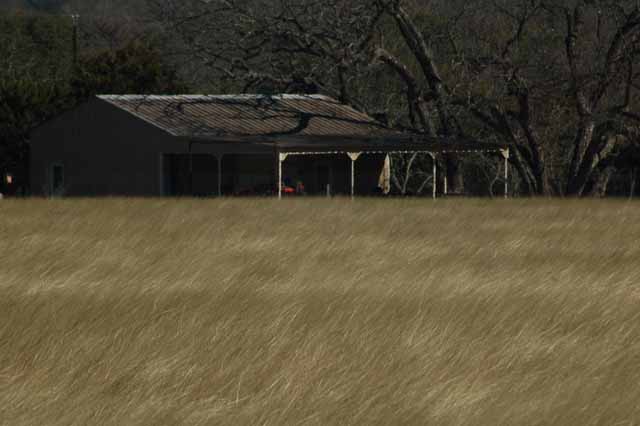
<point x="250" y="115"/>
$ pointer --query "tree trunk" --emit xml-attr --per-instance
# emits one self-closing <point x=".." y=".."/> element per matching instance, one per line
<point x="521" y="166"/>
<point x="577" y="180"/>
<point x="544" y="186"/>
<point x="455" y="177"/>
<point x="600" y="183"/>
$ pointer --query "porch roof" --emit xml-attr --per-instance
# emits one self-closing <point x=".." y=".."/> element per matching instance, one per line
<point x="398" y="143"/>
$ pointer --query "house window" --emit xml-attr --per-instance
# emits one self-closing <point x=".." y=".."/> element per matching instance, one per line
<point x="57" y="179"/>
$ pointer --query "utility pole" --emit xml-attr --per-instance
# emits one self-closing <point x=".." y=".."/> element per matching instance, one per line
<point x="76" y="19"/>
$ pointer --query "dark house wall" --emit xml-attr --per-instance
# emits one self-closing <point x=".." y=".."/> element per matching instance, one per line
<point x="103" y="151"/>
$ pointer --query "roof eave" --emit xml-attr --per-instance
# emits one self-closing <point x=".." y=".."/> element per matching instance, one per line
<point x="349" y="143"/>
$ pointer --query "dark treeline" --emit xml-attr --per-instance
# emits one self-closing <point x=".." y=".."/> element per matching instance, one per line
<point x="43" y="74"/>
<point x="557" y="79"/>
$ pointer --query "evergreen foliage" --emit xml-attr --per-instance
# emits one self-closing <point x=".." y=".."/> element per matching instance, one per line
<point x="39" y="81"/>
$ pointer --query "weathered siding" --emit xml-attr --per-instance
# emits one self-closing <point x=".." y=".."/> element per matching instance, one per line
<point x="107" y="151"/>
<point x="104" y="151"/>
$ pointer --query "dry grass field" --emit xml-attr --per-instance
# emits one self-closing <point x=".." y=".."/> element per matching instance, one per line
<point x="254" y="312"/>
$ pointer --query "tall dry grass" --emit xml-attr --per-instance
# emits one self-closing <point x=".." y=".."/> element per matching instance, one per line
<point x="165" y="312"/>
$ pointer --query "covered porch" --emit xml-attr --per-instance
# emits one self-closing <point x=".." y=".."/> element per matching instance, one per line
<point x="286" y="166"/>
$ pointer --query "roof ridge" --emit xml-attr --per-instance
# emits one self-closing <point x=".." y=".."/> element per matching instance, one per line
<point x="205" y="96"/>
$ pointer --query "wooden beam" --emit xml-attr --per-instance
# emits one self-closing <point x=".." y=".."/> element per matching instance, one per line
<point x="281" y="159"/>
<point x="354" y="157"/>
<point x="435" y="175"/>
<point x="219" y="159"/>
<point x="506" y="154"/>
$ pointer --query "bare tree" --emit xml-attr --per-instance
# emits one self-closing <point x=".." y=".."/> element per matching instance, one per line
<point x="560" y="90"/>
<point x="529" y="72"/>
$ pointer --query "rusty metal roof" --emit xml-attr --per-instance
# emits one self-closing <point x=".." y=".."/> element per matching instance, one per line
<point x="209" y="116"/>
<point x="292" y="123"/>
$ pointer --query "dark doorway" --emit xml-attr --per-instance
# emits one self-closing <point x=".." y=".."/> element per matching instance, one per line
<point x="317" y="173"/>
<point x="57" y="180"/>
<point x="190" y="175"/>
<point x="323" y="179"/>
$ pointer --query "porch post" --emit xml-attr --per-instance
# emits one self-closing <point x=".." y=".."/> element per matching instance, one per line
<point x="445" y="178"/>
<point x="191" y="168"/>
<point x="435" y="172"/>
<point x="219" y="158"/>
<point x="354" y="157"/>
<point x="505" y="155"/>
<point x="281" y="158"/>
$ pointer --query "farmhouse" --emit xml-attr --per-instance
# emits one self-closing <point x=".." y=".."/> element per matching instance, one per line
<point x="134" y="145"/>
